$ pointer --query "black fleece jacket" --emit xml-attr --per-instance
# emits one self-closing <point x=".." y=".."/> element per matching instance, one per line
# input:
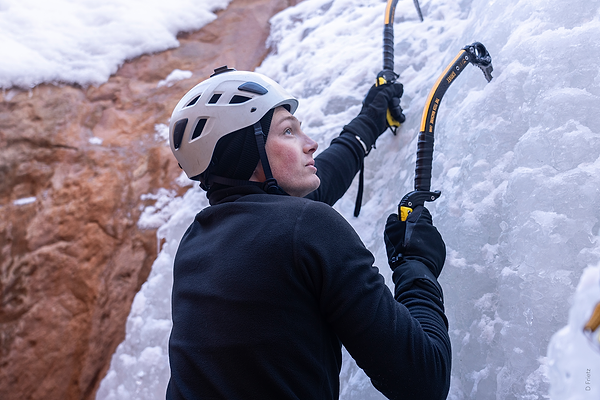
<point x="268" y="287"/>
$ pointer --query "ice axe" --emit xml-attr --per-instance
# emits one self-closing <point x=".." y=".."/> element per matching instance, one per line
<point x="387" y="76"/>
<point x="475" y="54"/>
<point x="394" y="114"/>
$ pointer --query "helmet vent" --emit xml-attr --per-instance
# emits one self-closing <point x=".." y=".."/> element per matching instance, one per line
<point x="253" y="87"/>
<point x="239" y="99"/>
<point x="194" y="100"/>
<point x="215" y="97"/>
<point x="199" y="128"/>
<point x="178" y="132"/>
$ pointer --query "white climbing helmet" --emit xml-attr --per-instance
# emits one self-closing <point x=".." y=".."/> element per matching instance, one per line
<point x="227" y="101"/>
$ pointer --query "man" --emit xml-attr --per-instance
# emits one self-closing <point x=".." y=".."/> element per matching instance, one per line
<point x="270" y="281"/>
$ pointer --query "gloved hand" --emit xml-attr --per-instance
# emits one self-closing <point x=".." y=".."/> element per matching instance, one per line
<point x="371" y="122"/>
<point x="416" y="239"/>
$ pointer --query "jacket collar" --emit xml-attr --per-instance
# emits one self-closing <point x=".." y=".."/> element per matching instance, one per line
<point x="232" y="193"/>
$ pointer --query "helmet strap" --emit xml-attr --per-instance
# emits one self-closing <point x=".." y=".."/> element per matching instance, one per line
<point x="270" y="185"/>
<point x="262" y="152"/>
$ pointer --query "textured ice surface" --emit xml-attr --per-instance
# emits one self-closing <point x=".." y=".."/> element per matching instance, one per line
<point x="517" y="161"/>
<point x="574" y="359"/>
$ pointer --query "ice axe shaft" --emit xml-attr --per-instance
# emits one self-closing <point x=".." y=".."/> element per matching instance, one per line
<point x="394" y="114"/>
<point x="475" y="54"/>
<point x="388" y="33"/>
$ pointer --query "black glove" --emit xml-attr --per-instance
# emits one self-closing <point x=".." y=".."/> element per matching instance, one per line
<point x="371" y="122"/>
<point x="416" y="239"/>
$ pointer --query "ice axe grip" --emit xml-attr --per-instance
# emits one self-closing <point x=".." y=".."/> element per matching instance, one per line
<point x="394" y="113"/>
<point x="388" y="47"/>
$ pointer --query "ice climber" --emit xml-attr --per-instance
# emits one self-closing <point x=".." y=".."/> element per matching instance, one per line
<point x="270" y="281"/>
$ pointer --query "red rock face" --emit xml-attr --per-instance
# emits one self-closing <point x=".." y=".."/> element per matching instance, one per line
<point x="72" y="260"/>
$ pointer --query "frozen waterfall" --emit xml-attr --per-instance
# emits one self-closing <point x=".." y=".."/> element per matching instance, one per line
<point x="517" y="161"/>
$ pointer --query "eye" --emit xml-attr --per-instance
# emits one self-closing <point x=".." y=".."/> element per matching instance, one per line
<point x="288" y="131"/>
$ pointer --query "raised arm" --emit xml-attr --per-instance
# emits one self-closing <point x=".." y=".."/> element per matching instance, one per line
<point x="338" y="164"/>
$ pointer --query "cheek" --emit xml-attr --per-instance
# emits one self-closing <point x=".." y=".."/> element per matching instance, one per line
<point x="282" y="158"/>
<point x="288" y="156"/>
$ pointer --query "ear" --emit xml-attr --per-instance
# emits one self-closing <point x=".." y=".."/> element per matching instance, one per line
<point x="259" y="174"/>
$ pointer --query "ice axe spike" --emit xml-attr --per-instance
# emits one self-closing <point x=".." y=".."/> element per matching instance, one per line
<point x="418" y="9"/>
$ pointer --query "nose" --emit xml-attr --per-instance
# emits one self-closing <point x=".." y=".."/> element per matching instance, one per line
<point x="310" y="146"/>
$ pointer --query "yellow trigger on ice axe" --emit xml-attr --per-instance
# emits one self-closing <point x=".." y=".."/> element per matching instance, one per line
<point x="393" y="122"/>
<point x="404" y="212"/>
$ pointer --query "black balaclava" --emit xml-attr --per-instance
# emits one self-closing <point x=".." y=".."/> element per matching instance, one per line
<point x="236" y="154"/>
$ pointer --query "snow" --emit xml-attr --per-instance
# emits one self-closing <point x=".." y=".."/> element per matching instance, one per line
<point x="156" y="215"/>
<point x="84" y="42"/>
<point x="574" y="358"/>
<point x="174" y="76"/>
<point x="23" y="201"/>
<point x="517" y="161"/>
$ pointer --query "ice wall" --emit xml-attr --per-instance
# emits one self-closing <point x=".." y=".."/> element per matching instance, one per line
<point x="517" y="161"/>
<point x="574" y="358"/>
